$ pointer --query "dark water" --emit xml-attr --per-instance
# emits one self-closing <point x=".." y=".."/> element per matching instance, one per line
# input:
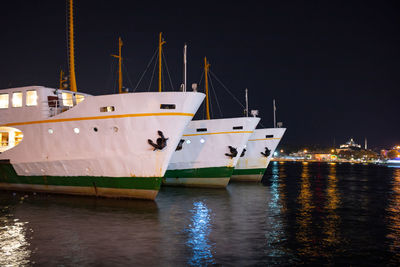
<point x="302" y="214"/>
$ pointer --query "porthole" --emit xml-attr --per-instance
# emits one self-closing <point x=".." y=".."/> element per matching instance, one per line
<point x="95" y="129"/>
<point x="188" y="141"/>
<point x="202" y="140"/>
<point x="76" y="130"/>
<point x="51" y="131"/>
<point x="115" y="128"/>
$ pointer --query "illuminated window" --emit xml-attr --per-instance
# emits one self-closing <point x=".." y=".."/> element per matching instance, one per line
<point x="107" y="109"/>
<point x="79" y="98"/>
<point x="3" y="139"/>
<point x="17" y="100"/>
<point x="31" y="98"/>
<point x="67" y="99"/>
<point x="76" y="130"/>
<point x="3" y="100"/>
<point x="18" y="137"/>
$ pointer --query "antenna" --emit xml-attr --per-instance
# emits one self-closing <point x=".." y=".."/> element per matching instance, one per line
<point x="184" y="67"/>
<point x="246" y="112"/>
<point x="274" y="113"/>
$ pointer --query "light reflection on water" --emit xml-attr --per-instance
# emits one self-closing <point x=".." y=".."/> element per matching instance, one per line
<point x="317" y="214"/>
<point x="394" y="215"/>
<point x="275" y="234"/>
<point x="199" y="230"/>
<point x="14" y="247"/>
<point x="332" y="220"/>
<point x="304" y="233"/>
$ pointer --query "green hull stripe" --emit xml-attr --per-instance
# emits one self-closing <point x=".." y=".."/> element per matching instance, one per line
<point x="8" y="175"/>
<point x="213" y="172"/>
<point x="248" y="171"/>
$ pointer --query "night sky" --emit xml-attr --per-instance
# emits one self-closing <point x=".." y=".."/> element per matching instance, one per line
<point x="332" y="66"/>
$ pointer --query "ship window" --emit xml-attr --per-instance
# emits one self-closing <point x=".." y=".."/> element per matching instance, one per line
<point x="201" y="129"/>
<point x="3" y="139"/>
<point x="79" y="98"/>
<point x="107" y="109"/>
<point x="3" y="100"/>
<point x="237" y="127"/>
<point x="31" y="98"/>
<point x="76" y="130"/>
<point x="67" y="100"/>
<point x="18" y="137"/>
<point x="167" y="106"/>
<point x="269" y="136"/>
<point x="17" y="99"/>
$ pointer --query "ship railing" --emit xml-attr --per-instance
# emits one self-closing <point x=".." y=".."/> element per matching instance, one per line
<point x="56" y="106"/>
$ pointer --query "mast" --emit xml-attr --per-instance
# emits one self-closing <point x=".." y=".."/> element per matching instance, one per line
<point x="119" y="65"/>
<point x="71" y="49"/>
<point x="274" y="113"/>
<point x="247" y="105"/>
<point x="206" y="67"/>
<point x="160" y="43"/>
<point x="61" y="80"/>
<point x="184" y="68"/>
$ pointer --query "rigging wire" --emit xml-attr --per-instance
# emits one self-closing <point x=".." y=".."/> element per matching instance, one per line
<point x="152" y="76"/>
<point x="147" y="67"/>
<point x="216" y="98"/>
<point x="127" y="74"/>
<point x="166" y="66"/>
<point x="218" y="80"/>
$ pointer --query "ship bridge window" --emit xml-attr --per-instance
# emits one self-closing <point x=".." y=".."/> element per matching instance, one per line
<point x="201" y="129"/>
<point x="269" y="136"/>
<point x="31" y="98"/>
<point x="167" y="106"/>
<point x="67" y="100"/>
<point x="17" y="99"/>
<point x="237" y="127"/>
<point x="107" y="109"/>
<point x="79" y="98"/>
<point x="3" y="100"/>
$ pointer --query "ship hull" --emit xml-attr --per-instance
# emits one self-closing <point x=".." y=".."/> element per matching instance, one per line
<point x="121" y="187"/>
<point x="87" y="151"/>
<point x="213" y="177"/>
<point x="252" y="166"/>
<point x="203" y="159"/>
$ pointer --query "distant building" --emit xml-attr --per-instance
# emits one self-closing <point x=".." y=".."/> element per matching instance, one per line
<point x="350" y="145"/>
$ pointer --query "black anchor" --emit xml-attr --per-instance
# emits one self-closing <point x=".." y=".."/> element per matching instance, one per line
<point x="233" y="152"/>
<point x="161" y="142"/>
<point x="266" y="153"/>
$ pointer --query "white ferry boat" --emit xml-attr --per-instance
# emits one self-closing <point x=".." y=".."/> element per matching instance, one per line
<point x="116" y="145"/>
<point x="209" y="149"/>
<point x="259" y="150"/>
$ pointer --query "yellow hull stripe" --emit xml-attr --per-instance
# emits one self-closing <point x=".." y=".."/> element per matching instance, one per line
<point x="101" y="118"/>
<point x="218" y="133"/>
<point x="264" y="139"/>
